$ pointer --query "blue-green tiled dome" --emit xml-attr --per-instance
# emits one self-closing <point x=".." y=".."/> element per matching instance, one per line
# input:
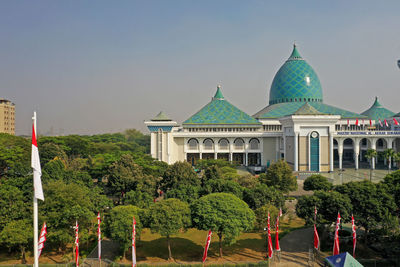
<point x="295" y="81"/>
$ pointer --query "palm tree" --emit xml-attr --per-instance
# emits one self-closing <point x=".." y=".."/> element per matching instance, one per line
<point x="389" y="154"/>
<point x="396" y="158"/>
<point x="371" y="155"/>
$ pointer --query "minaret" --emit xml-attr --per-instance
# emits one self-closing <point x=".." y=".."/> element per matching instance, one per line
<point x="160" y="128"/>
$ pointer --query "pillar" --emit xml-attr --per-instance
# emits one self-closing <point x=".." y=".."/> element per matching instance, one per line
<point x="201" y="155"/>
<point x="330" y="152"/>
<point x="389" y="142"/>
<point x="153" y="148"/>
<point x="373" y="146"/>
<point x="356" y="143"/>
<point x="296" y="152"/>
<point x="246" y="160"/>
<point x="215" y="155"/>
<point x="340" y="152"/>
<point x="284" y="146"/>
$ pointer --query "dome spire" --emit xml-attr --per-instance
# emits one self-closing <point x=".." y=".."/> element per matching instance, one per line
<point x="376" y="103"/>
<point x="218" y="95"/>
<point x="295" y="54"/>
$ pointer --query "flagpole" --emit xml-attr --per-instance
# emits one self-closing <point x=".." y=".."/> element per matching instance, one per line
<point x="35" y="214"/>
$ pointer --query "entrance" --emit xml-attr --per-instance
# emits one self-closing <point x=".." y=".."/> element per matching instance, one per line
<point x="314" y="152"/>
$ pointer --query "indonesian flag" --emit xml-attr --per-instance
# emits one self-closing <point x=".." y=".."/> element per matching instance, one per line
<point x="35" y="164"/>
<point x="395" y="121"/>
<point x="348" y="123"/>
<point x="277" y="247"/>
<point x="364" y="123"/>
<point x="316" y="236"/>
<point x="270" y="248"/>
<point x="76" y="244"/>
<point x="386" y="123"/>
<point x="370" y="123"/>
<point x="353" y="229"/>
<point x="133" y="242"/>
<point x="357" y="123"/>
<point x="336" y="249"/>
<point x="380" y="123"/>
<point x="99" y="235"/>
<point x="208" y="241"/>
<point x="280" y="212"/>
<point x="42" y="239"/>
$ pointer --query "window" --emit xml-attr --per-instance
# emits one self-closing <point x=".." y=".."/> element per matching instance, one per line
<point x="208" y="144"/>
<point x="254" y="143"/>
<point x="193" y="144"/>
<point x="239" y="143"/>
<point x="223" y="144"/>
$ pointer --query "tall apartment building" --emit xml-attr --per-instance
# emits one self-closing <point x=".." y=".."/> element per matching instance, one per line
<point x="7" y="116"/>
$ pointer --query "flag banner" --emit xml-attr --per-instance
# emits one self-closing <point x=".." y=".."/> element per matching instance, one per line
<point x="280" y="212"/>
<point x="363" y="123"/>
<point x="277" y="247"/>
<point x="76" y="244"/>
<point x="336" y="249"/>
<point x="133" y="242"/>
<point x="35" y="164"/>
<point x="98" y="235"/>
<point x="348" y="123"/>
<point x="316" y="238"/>
<point x="395" y="121"/>
<point x="42" y="239"/>
<point x="357" y="123"/>
<point x="208" y="241"/>
<point x="353" y="230"/>
<point x="380" y="123"/>
<point x="370" y="123"/>
<point x="270" y="248"/>
<point x="386" y="123"/>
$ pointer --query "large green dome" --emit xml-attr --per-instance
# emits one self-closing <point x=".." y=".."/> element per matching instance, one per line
<point x="295" y="81"/>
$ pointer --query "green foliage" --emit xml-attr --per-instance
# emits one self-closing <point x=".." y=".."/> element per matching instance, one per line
<point x="12" y="205"/>
<point x="261" y="195"/>
<point x="138" y="198"/>
<point x="224" y="214"/>
<point x="184" y="192"/>
<point x="262" y="216"/>
<point x="13" y="149"/>
<point x="177" y="174"/>
<point x="392" y="181"/>
<point x="280" y="175"/>
<point x="222" y="185"/>
<point x="119" y="224"/>
<point x="17" y="234"/>
<point x="317" y="182"/>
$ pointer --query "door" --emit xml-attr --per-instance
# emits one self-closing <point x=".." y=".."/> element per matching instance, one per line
<point x="314" y="152"/>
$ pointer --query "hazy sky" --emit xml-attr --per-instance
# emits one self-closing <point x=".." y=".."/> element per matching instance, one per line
<point x="104" y="66"/>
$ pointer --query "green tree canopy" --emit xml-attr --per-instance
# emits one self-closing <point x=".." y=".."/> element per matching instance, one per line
<point x="177" y="174"/>
<point x="317" y="182"/>
<point x="261" y="195"/>
<point x="17" y="234"/>
<point x="280" y="175"/>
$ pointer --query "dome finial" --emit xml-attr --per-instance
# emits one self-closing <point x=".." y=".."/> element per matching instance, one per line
<point x="218" y="95"/>
<point x="295" y="54"/>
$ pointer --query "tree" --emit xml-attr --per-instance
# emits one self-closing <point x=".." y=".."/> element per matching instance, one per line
<point x="371" y="156"/>
<point x="280" y="175"/>
<point x="12" y="205"/>
<point x="13" y="149"/>
<point x="317" y="182"/>
<point x="177" y="174"/>
<point x="222" y="185"/>
<point x="185" y="192"/>
<point x="388" y="155"/>
<point x="261" y="195"/>
<point x="392" y="181"/>
<point x="17" y="234"/>
<point x="168" y="217"/>
<point x="119" y="224"/>
<point x="224" y="214"/>
<point x="262" y="215"/>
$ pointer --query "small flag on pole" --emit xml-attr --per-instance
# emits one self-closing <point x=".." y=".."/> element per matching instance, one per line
<point x="386" y="123"/>
<point x="270" y="248"/>
<point x="280" y="212"/>
<point x="357" y="122"/>
<point x="353" y="229"/>
<point x="35" y="164"/>
<point x="76" y="244"/>
<point x="336" y="249"/>
<point x="133" y="242"/>
<point x="42" y="239"/>
<point x="370" y="123"/>
<point x="348" y="123"/>
<point x="277" y="246"/>
<point x="395" y="121"/>
<point x="99" y="235"/>
<point x="380" y="123"/>
<point x="208" y="241"/>
<point x="316" y="236"/>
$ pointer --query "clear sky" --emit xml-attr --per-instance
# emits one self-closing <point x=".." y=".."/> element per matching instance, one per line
<point x="104" y="66"/>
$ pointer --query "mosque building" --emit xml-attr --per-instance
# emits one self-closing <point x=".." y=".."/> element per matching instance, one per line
<point x="296" y="126"/>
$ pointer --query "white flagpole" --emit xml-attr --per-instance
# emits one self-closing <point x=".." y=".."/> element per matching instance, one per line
<point x="35" y="214"/>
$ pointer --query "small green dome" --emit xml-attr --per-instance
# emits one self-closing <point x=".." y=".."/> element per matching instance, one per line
<point x="295" y="81"/>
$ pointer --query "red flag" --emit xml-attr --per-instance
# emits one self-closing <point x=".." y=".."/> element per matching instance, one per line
<point x="99" y="235"/>
<point x="277" y="247"/>
<point x="76" y="244"/>
<point x="270" y="248"/>
<point x="357" y="123"/>
<point x="208" y="241"/>
<point x="133" y="242"/>
<point x="364" y="123"/>
<point x="370" y="123"/>
<point x="353" y="229"/>
<point x="336" y="249"/>
<point x="35" y="164"/>
<point x="395" y="121"/>
<point x="348" y="123"/>
<point x="42" y="239"/>
<point x="316" y="238"/>
<point x="380" y="123"/>
<point x="386" y="123"/>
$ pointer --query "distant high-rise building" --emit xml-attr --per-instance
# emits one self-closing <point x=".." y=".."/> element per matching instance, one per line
<point x="7" y="116"/>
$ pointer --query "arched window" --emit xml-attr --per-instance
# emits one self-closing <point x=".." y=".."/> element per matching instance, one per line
<point x="239" y="143"/>
<point x="223" y="144"/>
<point x="254" y="143"/>
<point x="208" y="144"/>
<point x="193" y="144"/>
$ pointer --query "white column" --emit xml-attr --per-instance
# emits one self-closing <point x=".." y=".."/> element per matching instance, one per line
<point x="247" y="159"/>
<point x="331" y="152"/>
<point x="284" y="146"/>
<point x="201" y="155"/>
<point x="215" y="155"/>
<point x="340" y="152"/>
<point x="277" y="148"/>
<point x="230" y="156"/>
<point x="153" y="143"/>
<point x="296" y="152"/>
<point x="389" y="142"/>
<point x="373" y="146"/>
<point x="356" y="152"/>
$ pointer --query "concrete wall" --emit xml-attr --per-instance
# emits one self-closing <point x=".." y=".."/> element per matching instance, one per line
<point x="289" y="156"/>
<point x="303" y="153"/>
<point x="269" y="150"/>
<point x="324" y="156"/>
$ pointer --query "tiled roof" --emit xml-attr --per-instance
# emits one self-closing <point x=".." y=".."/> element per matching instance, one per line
<point x="377" y="111"/>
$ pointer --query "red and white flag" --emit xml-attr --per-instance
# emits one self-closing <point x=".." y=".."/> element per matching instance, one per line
<point x="357" y="122"/>
<point x="316" y="236"/>
<point x="98" y="235"/>
<point x="395" y="121"/>
<point x="76" y="244"/>
<point x="208" y="241"/>
<point x="364" y="123"/>
<point x="133" y="242"/>
<point x="353" y="230"/>
<point x="336" y="249"/>
<point x="370" y="123"/>
<point x="270" y="247"/>
<point x="348" y="123"/>
<point x="386" y="123"/>
<point x="280" y="212"/>
<point x="380" y="123"/>
<point x="277" y="247"/>
<point x="42" y="239"/>
<point x="35" y="164"/>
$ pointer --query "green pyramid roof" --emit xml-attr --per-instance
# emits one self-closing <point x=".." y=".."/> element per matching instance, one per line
<point x="377" y="111"/>
<point x="307" y="109"/>
<point x="397" y="115"/>
<point x="285" y="109"/>
<point x="161" y="117"/>
<point x="220" y="111"/>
